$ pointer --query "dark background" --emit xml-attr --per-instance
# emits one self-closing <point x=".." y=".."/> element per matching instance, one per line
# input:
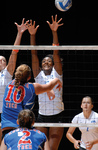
<point x="80" y="27"/>
<point x="80" y="22"/>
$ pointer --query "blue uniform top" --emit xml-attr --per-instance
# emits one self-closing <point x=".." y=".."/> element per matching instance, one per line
<point x="15" y="101"/>
<point x="25" y="139"/>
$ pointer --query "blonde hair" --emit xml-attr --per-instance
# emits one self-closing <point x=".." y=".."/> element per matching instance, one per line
<point x="21" y="75"/>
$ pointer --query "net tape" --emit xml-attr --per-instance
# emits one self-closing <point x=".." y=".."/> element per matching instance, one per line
<point x="64" y="125"/>
<point x="48" y="47"/>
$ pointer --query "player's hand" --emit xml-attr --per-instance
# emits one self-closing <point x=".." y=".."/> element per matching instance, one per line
<point x="21" y="28"/>
<point x="89" y="145"/>
<point x="31" y="27"/>
<point x="51" y="95"/>
<point x="76" y="144"/>
<point x="55" y="24"/>
<point x="59" y="85"/>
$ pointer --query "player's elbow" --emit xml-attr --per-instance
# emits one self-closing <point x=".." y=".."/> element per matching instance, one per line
<point x="67" y="135"/>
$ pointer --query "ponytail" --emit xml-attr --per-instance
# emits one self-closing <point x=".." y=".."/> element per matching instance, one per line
<point x="21" y="75"/>
<point x="18" y="76"/>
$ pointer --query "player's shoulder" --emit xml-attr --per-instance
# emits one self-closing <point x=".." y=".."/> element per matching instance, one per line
<point x="94" y="113"/>
<point x="10" y="134"/>
<point x="29" y="84"/>
<point x="77" y="117"/>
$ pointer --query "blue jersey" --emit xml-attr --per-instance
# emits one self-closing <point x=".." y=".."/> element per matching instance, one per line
<point x="25" y="139"/>
<point x="14" y="101"/>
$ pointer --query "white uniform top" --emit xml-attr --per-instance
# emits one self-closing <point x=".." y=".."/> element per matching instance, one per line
<point x="46" y="106"/>
<point x="5" y="78"/>
<point x="88" y="133"/>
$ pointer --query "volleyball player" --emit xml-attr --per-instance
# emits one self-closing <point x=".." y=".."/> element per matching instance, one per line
<point x="89" y="135"/>
<point x="7" y="70"/>
<point x="25" y="137"/>
<point x="20" y="94"/>
<point x="50" y="103"/>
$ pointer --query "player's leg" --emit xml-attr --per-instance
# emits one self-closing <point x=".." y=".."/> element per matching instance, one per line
<point x="41" y="119"/>
<point x="55" y="136"/>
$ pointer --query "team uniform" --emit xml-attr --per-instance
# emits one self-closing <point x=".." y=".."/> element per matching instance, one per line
<point x="5" y="78"/>
<point x="23" y="139"/>
<point x="49" y="107"/>
<point x="88" y="133"/>
<point x="16" y="100"/>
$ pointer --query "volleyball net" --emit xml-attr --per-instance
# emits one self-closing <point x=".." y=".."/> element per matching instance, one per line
<point x="80" y="76"/>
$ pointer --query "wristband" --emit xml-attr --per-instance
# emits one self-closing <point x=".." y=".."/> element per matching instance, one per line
<point x="55" y="44"/>
<point x="16" y="50"/>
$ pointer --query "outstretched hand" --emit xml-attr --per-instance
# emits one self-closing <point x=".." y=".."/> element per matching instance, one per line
<point x="55" y="24"/>
<point x="21" y="28"/>
<point x="31" y="27"/>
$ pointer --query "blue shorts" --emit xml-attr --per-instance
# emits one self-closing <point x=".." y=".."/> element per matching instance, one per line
<point x="58" y="118"/>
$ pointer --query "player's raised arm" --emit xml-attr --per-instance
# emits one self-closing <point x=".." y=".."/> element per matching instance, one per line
<point x="13" y="57"/>
<point x="35" y="61"/>
<point x="54" y="27"/>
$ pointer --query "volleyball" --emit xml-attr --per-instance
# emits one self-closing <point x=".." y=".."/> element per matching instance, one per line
<point x="63" y="5"/>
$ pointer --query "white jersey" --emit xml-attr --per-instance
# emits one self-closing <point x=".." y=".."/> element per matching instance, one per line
<point x="5" y="78"/>
<point x="88" y="133"/>
<point x="46" y="106"/>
